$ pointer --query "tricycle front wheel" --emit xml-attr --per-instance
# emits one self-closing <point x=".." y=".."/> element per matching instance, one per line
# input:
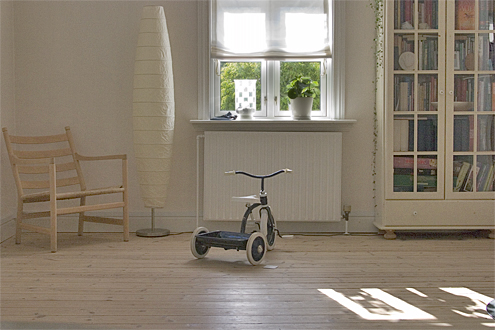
<point x="198" y="249"/>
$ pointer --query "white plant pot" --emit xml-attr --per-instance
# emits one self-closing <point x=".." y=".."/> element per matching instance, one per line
<point x="301" y="108"/>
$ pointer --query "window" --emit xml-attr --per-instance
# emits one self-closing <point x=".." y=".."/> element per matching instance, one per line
<point x="262" y="45"/>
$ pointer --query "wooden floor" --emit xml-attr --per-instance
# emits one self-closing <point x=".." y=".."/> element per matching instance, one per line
<point x="99" y="282"/>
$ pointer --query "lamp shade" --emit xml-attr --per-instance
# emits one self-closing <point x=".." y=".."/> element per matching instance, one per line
<point x="153" y="107"/>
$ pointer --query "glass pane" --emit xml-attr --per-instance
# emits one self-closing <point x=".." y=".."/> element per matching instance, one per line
<point x="403" y="173"/>
<point x="486" y="50"/>
<point x="486" y="14"/>
<point x="404" y="58"/>
<point x="230" y="71"/>
<point x="428" y="14"/>
<point x="463" y="92"/>
<point x="403" y="92"/>
<point x="464" y="15"/>
<point x="427" y="92"/>
<point x="403" y="133"/>
<point x="486" y="133"/>
<point x="404" y="14"/>
<point x="464" y="52"/>
<point x="463" y="133"/>
<point x="289" y="71"/>
<point x="485" y="177"/>
<point x="486" y="93"/>
<point x="427" y="52"/>
<point x="427" y="173"/>
<point x="427" y="133"/>
<point x="462" y="171"/>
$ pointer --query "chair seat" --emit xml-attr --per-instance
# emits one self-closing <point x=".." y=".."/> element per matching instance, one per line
<point x="44" y="196"/>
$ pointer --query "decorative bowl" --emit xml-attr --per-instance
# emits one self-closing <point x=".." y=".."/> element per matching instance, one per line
<point x="246" y="113"/>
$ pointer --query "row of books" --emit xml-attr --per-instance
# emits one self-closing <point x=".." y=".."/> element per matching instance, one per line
<point x="486" y="93"/>
<point x="402" y="43"/>
<point x="427" y="92"/>
<point x="464" y="15"/>
<point x="486" y="133"/>
<point x="428" y="53"/>
<point x="486" y="53"/>
<point x="426" y="179"/>
<point x="463" y="88"/>
<point x="403" y="13"/>
<point x="463" y="176"/>
<point x="404" y="134"/>
<point x="486" y="14"/>
<point x="403" y="93"/>
<point x="427" y="14"/>
<point x="423" y="163"/>
<point x="464" y="52"/>
<point x="464" y="133"/>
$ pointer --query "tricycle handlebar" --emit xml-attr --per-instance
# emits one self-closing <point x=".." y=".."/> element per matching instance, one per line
<point x="285" y="170"/>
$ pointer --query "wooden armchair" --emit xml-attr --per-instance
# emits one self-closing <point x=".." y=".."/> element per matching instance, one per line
<point x="36" y="170"/>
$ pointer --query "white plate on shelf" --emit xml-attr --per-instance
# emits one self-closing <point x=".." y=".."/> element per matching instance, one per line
<point x="406" y="61"/>
<point x="458" y="106"/>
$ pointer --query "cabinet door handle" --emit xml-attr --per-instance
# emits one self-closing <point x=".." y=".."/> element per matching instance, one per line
<point x="451" y="92"/>
<point x="441" y="92"/>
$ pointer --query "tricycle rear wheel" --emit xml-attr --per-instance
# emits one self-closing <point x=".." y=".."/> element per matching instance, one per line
<point x="256" y="248"/>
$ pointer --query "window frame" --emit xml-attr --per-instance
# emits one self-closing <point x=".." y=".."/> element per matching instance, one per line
<point x="334" y="78"/>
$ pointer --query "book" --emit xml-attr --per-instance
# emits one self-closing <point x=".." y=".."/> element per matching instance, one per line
<point x="403" y="136"/>
<point x="464" y="133"/>
<point x="462" y="177"/>
<point x="485" y="132"/>
<point x="488" y="186"/>
<point x="408" y="162"/>
<point x="465" y="15"/>
<point x="482" y="176"/>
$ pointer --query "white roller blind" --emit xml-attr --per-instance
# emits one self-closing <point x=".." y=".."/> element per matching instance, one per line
<point x="270" y="29"/>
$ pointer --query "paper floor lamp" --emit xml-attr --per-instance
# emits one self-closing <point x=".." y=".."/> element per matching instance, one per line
<point x="153" y="112"/>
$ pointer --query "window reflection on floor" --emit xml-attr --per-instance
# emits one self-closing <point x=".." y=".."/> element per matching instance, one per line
<point x="378" y="305"/>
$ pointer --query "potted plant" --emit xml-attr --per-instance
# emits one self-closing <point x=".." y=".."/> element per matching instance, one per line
<point x="301" y="92"/>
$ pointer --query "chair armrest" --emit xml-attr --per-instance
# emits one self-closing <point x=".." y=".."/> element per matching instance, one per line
<point x="106" y="157"/>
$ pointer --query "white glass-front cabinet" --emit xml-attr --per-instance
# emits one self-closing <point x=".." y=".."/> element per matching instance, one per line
<point x="437" y="131"/>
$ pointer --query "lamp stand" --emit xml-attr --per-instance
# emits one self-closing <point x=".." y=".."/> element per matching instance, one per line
<point x="152" y="232"/>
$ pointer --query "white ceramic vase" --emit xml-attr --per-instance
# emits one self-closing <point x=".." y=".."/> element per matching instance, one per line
<point x="301" y="108"/>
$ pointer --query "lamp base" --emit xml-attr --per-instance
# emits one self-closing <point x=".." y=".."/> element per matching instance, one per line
<point x="152" y="232"/>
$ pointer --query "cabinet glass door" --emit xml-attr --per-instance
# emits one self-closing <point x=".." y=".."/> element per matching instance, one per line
<point x="471" y="99"/>
<point x="416" y="112"/>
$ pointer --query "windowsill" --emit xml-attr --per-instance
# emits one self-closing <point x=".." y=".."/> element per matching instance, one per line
<point x="275" y="125"/>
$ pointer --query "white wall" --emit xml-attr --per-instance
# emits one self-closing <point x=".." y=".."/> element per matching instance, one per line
<point x="7" y="105"/>
<point x="73" y="64"/>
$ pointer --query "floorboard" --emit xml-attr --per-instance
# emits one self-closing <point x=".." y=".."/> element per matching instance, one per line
<point x="317" y="282"/>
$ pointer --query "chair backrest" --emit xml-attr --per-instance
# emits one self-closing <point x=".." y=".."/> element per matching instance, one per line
<point x="30" y="157"/>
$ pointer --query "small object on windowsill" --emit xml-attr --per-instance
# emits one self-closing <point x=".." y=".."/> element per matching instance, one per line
<point x="227" y="116"/>
<point x="246" y="113"/>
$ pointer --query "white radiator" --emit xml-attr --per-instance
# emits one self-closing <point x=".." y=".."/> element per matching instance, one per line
<point x="312" y="192"/>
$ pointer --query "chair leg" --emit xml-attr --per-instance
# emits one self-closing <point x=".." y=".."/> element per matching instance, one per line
<point x="80" y="229"/>
<point x="53" y="207"/>
<point x="53" y="231"/>
<point x="125" y="198"/>
<point x="18" y="230"/>
<point x="126" y="219"/>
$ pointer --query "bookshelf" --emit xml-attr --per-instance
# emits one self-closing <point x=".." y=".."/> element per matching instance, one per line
<point x="436" y="142"/>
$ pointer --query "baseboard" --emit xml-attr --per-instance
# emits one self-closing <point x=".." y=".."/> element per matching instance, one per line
<point x="357" y="224"/>
<point x="187" y="222"/>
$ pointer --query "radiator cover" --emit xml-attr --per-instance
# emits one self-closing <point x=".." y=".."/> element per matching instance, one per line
<point x="312" y="192"/>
